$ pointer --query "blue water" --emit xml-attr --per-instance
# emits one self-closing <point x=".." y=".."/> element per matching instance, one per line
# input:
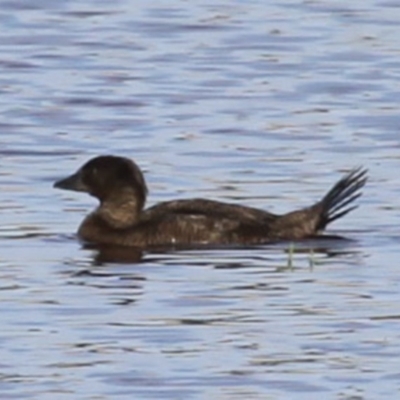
<point x="259" y="103"/>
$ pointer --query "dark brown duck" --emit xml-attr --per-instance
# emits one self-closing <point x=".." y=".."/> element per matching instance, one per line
<point x="121" y="219"/>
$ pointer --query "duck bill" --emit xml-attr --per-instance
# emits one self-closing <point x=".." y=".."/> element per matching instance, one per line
<point x="73" y="182"/>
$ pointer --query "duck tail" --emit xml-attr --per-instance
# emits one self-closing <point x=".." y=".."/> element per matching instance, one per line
<point x="337" y="202"/>
<point x="308" y="222"/>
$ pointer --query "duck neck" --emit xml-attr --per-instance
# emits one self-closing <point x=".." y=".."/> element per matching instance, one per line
<point x="121" y="210"/>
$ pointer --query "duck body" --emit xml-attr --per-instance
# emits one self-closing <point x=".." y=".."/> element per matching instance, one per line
<point x="121" y="219"/>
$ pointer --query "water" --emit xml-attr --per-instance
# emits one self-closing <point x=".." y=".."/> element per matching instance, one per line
<point x="252" y="102"/>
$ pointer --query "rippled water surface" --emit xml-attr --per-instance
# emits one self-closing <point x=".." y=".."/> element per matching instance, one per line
<point x="263" y="103"/>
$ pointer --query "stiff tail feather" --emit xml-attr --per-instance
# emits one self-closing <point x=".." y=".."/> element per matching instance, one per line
<point x="308" y="222"/>
<point x="336" y="203"/>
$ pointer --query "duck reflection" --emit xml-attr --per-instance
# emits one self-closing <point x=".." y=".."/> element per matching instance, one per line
<point x="324" y="246"/>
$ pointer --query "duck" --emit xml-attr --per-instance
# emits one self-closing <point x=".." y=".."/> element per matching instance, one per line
<point x="121" y="218"/>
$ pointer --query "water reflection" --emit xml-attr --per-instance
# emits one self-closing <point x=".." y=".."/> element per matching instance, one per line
<point x="114" y="254"/>
<point x="326" y="246"/>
